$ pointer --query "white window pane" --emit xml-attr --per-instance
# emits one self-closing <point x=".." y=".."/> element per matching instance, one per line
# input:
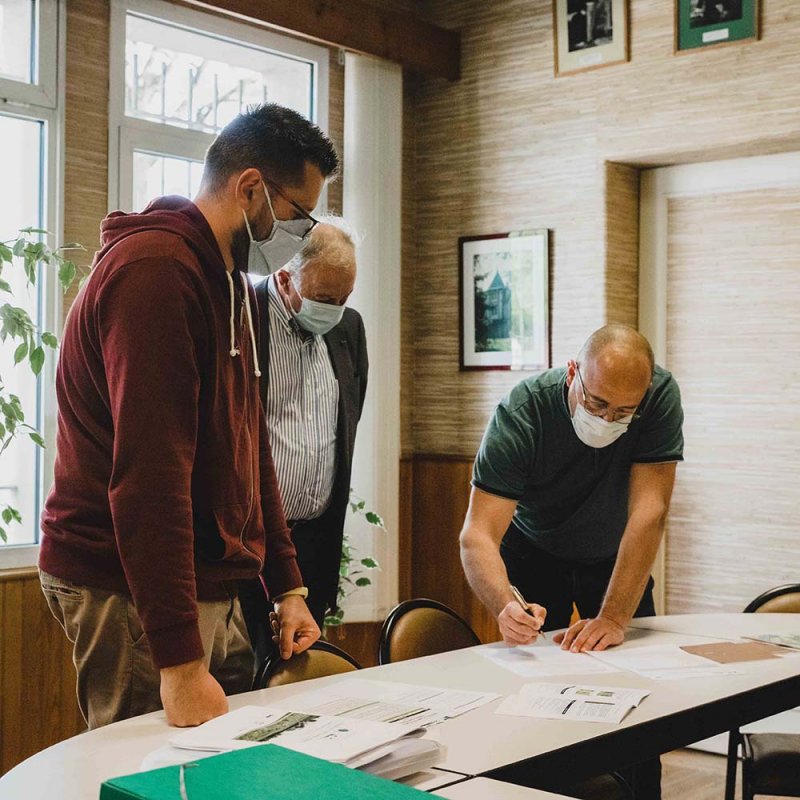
<point x="193" y="80"/>
<point x="155" y="175"/>
<point x="17" y="30"/>
<point x="20" y="206"/>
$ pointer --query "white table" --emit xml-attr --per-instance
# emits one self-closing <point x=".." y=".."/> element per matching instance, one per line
<point x="483" y="743"/>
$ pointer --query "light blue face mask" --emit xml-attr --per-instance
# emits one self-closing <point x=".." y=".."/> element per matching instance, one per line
<point x="316" y="317"/>
<point x="284" y="242"/>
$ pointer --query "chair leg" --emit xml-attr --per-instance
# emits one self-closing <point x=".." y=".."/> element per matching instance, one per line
<point x="734" y="738"/>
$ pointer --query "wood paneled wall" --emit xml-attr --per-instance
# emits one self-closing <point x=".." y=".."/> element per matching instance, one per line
<point x="38" y="706"/>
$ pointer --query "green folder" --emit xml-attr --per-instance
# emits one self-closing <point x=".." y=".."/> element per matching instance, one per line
<point x="267" y="772"/>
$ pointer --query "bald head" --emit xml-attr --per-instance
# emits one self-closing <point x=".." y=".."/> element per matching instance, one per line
<point x="325" y="269"/>
<point x="616" y="364"/>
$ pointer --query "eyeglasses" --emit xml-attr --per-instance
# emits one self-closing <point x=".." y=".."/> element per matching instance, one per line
<point x="599" y="408"/>
<point x="296" y="206"/>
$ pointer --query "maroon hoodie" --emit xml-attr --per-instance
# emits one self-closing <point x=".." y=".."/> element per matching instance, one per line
<point x="164" y="483"/>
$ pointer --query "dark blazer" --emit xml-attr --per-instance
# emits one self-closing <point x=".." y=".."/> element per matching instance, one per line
<point x="347" y="348"/>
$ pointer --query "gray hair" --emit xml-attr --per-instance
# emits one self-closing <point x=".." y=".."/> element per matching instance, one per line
<point x="337" y="250"/>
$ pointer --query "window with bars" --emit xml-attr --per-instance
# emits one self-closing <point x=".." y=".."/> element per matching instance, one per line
<point x="30" y="120"/>
<point x="179" y="76"/>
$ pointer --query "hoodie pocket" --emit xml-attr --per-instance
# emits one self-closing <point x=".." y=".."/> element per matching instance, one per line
<point x="231" y="522"/>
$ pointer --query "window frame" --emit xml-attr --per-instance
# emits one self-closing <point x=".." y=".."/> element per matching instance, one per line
<point x="44" y="103"/>
<point x="127" y="134"/>
<point x="43" y="91"/>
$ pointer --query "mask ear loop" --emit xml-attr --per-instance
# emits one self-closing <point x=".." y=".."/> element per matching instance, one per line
<point x="247" y="225"/>
<point x="269" y="203"/>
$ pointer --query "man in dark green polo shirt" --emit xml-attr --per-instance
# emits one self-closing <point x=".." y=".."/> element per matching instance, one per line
<point x="571" y="487"/>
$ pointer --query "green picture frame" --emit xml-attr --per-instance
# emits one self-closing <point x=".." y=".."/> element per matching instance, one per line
<point x="710" y="23"/>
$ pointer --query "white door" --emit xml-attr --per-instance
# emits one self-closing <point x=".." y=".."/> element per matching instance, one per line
<point x="720" y="301"/>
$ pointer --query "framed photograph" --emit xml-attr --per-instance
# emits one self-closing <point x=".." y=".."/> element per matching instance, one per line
<point x="589" y="34"/>
<point x="705" y="23"/>
<point x="505" y="301"/>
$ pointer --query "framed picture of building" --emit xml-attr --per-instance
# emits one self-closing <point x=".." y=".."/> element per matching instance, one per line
<point x="706" y="23"/>
<point x="505" y="301"/>
<point x="589" y="34"/>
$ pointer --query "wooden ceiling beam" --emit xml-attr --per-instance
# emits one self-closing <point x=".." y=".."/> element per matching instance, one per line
<point x="354" y="25"/>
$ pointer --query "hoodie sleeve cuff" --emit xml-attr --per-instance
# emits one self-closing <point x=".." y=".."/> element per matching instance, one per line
<point x="281" y="576"/>
<point x="178" y="644"/>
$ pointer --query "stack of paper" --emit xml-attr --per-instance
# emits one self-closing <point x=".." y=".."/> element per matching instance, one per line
<point x="568" y="701"/>
<point x="353" y="742"/>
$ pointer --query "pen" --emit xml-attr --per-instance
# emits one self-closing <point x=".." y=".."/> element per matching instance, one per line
<point x="521" y="600"/>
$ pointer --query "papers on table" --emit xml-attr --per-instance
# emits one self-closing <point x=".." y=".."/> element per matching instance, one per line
<point x="542" y="661"/>
<point x="662" y="662"/>
<point x="783" y="639"/>
<point x="345" y="741"/>
<point x="568" y="701"/>
<point x="408" y="704"/>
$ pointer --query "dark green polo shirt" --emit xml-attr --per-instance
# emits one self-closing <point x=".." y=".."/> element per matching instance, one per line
<point x="573" y="499"/>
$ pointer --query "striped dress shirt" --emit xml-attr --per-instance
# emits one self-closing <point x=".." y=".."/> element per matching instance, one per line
<point x="302" y="413"/>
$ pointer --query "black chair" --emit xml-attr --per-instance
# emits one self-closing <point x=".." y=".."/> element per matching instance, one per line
<point x="422" y="627"/>
<point x="770" y="761"/>
<point x="321" y="659"/>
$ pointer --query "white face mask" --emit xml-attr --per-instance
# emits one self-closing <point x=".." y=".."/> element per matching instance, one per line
<point x="284" y="242"/>
<point x="595" y="431"/>
<point x="316" y="317"/>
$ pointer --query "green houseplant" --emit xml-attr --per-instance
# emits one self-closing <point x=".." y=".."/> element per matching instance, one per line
<point x="28" y="251"/>
<point x="352" y="569"/>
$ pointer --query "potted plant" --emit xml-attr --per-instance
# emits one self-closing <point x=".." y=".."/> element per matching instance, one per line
<point x="29" y="250"/>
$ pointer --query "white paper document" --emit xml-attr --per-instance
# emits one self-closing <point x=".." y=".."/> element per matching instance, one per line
<point x="541" y="661"/>
<point x="569" y="701"/>
<point x="663" y="662"/>
<point x="408" y="704"/>
<point x="344" y="741"/>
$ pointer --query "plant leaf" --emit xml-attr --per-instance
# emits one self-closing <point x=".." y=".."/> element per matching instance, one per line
<point x="369" y="563"/>
<point x="49" y="339"/>
<point x="374" y="519"/>
<point x="3" y="534"/>
<point x="66" y="274"/>
<point x="6" y="254"/>
<point x="20" y="353"/>
<point x="363" y="582"/>
<point x="5" y="286"/>
<point x="37" y="438"/>
<point x="37" y="360"/>
<point x="32" y="230"/>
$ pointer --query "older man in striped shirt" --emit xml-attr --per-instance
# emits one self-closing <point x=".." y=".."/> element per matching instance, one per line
<point x="314" y="376"/>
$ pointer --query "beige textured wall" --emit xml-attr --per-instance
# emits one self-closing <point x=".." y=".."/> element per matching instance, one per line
<point x="511" y="147"/>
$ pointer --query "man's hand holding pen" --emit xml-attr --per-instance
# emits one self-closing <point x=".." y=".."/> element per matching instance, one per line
<point x="520" y="622"/>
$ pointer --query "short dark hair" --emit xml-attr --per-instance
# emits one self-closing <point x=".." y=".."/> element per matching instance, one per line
<point x="275" y="140"/>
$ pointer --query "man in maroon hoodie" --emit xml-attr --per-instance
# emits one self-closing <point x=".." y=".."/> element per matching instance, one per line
<point x="165" y="492"/>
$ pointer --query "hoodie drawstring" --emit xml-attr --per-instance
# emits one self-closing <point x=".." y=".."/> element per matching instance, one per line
<point x="257" y="369"/>
<point x="233" y="351"/>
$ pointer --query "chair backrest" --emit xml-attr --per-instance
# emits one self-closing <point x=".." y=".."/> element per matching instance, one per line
<point x="422" y="627"/>
<point x="780" y="600"/>
<point x="321" y="659"/>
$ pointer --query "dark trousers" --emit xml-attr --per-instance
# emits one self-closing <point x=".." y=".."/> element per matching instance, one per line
<point x="256" y="606"/>
<point x="556" y="584"/>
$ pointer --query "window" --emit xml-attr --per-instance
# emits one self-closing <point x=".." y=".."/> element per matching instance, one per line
<point x="29" y="135"/>
<point x="178" y="76"/>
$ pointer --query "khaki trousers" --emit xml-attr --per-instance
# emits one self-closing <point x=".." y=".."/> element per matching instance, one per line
<point x="116" y="675"/>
